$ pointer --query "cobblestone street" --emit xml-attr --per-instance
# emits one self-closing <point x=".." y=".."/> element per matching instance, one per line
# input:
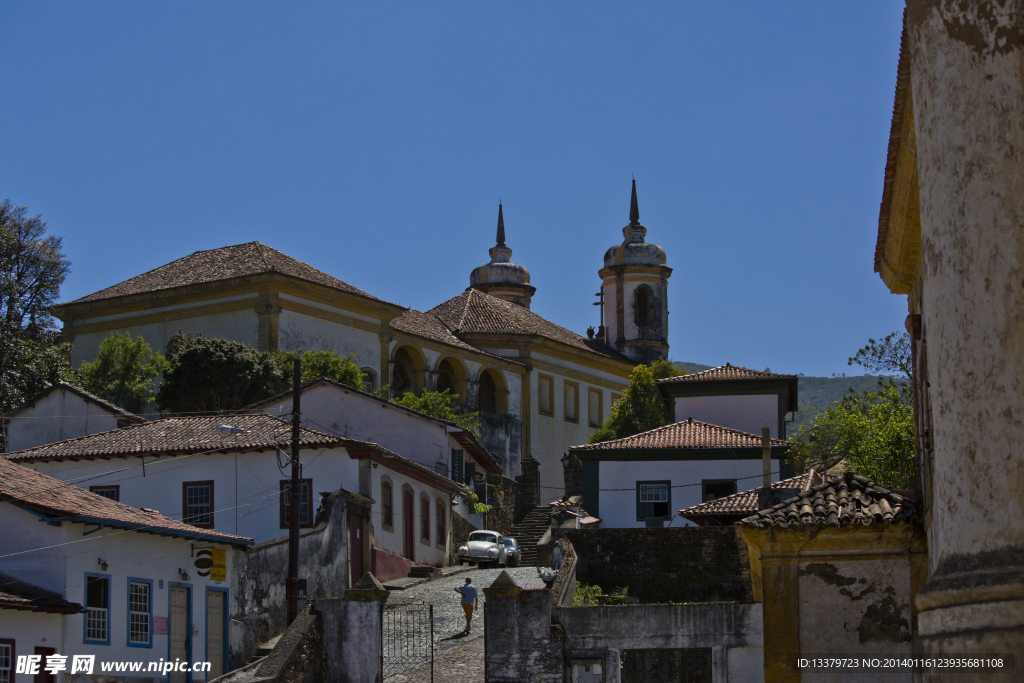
<point x="458" y="656"/>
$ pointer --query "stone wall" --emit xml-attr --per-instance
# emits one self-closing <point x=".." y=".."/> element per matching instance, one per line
<point x="684" y="564"/>
<point x="260" y="582"/>
<point x="296" y="658"/>
<point x="502" y="495"/>
<point x="528" y="494"/>
<point x="572" y="472"/>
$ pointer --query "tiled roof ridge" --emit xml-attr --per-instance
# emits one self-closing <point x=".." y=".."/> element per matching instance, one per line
<point x="263" y="257"/>
<point x="657" y="430"/>
<point x="708" y="507"/>
<point x="711" y="372"/>
<point x="897" y="507"/>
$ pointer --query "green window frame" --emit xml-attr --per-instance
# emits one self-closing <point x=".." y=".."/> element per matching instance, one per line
<point x="653" y="500"/>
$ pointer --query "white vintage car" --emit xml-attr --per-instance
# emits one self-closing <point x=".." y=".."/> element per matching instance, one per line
<point x="484" y="548"/>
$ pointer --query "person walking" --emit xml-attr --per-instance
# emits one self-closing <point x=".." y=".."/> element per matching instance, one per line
<point x="470" y="601"/>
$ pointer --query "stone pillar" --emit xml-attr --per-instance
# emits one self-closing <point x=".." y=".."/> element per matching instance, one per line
<point x="266" y="335"/>
<point x="967" y="71"/>
<point x="352" y="633"/>
<point x="781" y="614"/>
<point x="384" y="336"/>
<point x="519" y="641"/>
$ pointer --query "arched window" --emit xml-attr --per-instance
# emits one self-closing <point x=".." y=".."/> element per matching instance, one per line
<point x="642" y="310"/>
<point x="445" y="377"/>
<point x="487" y="396"/>
<point x="369" y="380"/>
<point x="386" y="506"/>
<point x="441" y="513"/>
<point x="425" y="519"/>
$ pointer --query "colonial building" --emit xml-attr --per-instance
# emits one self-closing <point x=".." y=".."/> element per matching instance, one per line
<point x="539" y="387"/>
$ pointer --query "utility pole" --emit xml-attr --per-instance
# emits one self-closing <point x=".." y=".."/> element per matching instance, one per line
<point x="766" y="457"/>
<point x="295" y="501"/>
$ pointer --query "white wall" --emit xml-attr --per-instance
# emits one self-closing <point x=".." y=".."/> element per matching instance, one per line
<point x="618" y="508"/>
<point x="432" y="553"/>
<point x="246" y="491"/>
<point x="128" y="554"/>
<point x="299" y="331"/>
<point x="749" y="413"/>
<point x="330" y="409"/>
<point x="59" y="415"/>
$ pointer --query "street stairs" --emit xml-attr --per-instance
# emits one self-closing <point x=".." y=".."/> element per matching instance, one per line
<point x="530" y="530"/>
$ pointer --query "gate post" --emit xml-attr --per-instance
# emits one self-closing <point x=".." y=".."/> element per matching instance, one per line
<point x="352" y="633"/>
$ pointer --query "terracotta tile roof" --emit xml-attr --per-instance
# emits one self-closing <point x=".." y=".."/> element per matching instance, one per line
<point x="16" y="594"/>
<point x="686" y="434"/>
<point x="844" y="500"/>
<point x="430" y="327"/>
<point x="474" y="312"/>
<point x="179" y="435"/>
<point x="895" y="133"/>
<point x="92" y="398"/>
<point x="745" y="502"/>
<point x="53" y="498"/>
<point x="725" y="373"/>
<point x="240" y="260"/>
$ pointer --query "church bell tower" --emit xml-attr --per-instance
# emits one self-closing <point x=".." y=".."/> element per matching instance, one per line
<point x="501" y="278"/>
<point x="634" y="282"/>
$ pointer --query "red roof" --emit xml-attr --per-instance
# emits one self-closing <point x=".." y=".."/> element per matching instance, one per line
<point x="53" y="499"/>
<point x="723" y="373"/>
<point x="20" y="595"/>
<point x="686" y="434"/>
<point x="744" y="503"/>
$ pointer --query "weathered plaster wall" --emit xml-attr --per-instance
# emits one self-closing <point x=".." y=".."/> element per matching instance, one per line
<point x="858" y="608"/>
<point x="746" y="413"/>
<point x="968" y="83"/>
<point x="59" y="415"/>
<point x="430" y="552"/>
<point x="352" y="640"/>
<point x="299" y="331"/>
<point x="30" y="630"/>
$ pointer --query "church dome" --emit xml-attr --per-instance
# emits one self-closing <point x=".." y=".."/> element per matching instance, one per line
<point x="501" y="278"/>
<point x="634" y="249"/>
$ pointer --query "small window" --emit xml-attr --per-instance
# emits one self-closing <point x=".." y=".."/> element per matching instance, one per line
<point x="545" y="395"/>
<point x="571" y="397"/>
<point x="642" y="313"/>
<point x="305" y="513"/>
<point x="441" y="513"/>
<point x="139" y="611"/>
<point x="487" y="394"/>
<point x="595" y="408"/>
<point x="111" y="492"/>
<point x="198" y="503"/>
<point x="6" y="660"/>
<point x="458" y="474"/>
<point x="718" y="488"/>
<point x="653" y="500"/>
<point x="386" y="505"/>
<point x="97" y="609"/>
<point x="425" y="519"/>
<point x="369" y="380"/>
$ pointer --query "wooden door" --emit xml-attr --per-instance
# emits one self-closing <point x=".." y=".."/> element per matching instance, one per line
<point x="408" y="525"/>
<point x="215" y="609"/>
<point x="179" y="631"/>
<point x="43" y="676"/>
<point x="355" y="547"/>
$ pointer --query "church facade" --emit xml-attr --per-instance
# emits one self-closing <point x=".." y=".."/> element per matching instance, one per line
<point x="540" y="388"/>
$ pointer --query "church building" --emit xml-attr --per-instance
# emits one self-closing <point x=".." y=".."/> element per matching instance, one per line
<point x="539" y="388"/>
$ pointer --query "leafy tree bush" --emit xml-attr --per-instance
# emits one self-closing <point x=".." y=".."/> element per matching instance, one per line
<point x="123" y="372"/>
<point x="640" y="409"/>
<point x="437" y="404"/>
<point x="662" y="368"/>
<point x="317" y="364"/>
<point x="216" y="375"/>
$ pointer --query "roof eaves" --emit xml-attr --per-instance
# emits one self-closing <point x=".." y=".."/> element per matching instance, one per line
<point x="892" y="154"/>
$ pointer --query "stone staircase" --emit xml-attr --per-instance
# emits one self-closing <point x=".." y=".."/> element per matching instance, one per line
<point x="529" y="530"/>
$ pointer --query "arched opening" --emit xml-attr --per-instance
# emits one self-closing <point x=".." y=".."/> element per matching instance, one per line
<point x="490" y="396"/>
<point x="445" y="377"/>
<point x="451" y="375"/>
<point x="643" y="308"/>
<point x="406" y="371"/>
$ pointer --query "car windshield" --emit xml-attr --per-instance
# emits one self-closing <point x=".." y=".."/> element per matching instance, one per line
<point x="510" y="543"/>
<point x="483" y="538"/>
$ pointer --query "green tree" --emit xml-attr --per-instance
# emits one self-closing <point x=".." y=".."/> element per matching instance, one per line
<point x="437" y="404"/>
<point x="317" y="364"/>
<point x="640" y="409"/>
<point x="890" y="355"/>
<point x="662" y="368"/>
<point x="123" y="372"/>
<point x="216" y="375"/>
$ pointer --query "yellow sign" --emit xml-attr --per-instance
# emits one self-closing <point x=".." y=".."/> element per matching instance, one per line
<point x="219" y="570"/>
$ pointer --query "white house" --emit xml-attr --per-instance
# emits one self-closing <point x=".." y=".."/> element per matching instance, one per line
<point x="642" y="480"/>
<point x="62" y="411"/>
<point x="86" y="575"/>
<point x="733" y="397"/>
<point x="232" y="475"/>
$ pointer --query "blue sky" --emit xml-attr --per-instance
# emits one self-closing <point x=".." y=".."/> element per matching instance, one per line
<point x="373" y="141"/>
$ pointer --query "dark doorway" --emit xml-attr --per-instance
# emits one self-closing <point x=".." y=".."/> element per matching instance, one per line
<point x="43" y="676"/>
<point x="407" y="525"/>
<point x="355" y="547"/>
<point x="687" y="665"/>
<point x="488" y="398"/>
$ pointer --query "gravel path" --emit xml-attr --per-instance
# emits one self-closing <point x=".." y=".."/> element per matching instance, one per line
<point x="450" y="645"/>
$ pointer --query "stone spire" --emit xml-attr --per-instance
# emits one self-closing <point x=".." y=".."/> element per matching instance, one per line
<point x="501" y="222"/>
<point x="634" y="208"/>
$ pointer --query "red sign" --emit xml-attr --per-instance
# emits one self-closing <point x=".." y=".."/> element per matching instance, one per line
<point x="159" y="626"/>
